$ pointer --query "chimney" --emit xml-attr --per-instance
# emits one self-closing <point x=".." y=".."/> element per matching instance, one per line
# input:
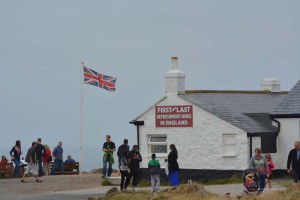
<point x="270" y="84"/>
<point x="175" y="79"/>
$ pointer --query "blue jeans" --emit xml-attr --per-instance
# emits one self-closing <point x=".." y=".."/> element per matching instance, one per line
<point x="262" y="179"/>
<point x="17" y="168"/>
<point x="40" y="168"/>
<point x="105" y="167"/>
<point x="58" y="164"/>
<point x="155" y="183"/>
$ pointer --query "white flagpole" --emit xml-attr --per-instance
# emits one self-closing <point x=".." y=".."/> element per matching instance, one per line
<point x="80" y="152"/>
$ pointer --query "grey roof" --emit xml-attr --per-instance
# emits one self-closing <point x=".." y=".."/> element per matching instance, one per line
<point x="246" y="110"/>
<point x="290" y="105"/>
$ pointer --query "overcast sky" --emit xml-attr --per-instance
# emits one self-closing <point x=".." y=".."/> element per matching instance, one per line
<point x="230" y="45"/>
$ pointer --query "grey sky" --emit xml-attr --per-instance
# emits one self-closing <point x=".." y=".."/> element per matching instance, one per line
<point x="220" y="45"/>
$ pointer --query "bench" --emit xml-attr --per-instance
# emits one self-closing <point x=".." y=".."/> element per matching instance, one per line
<point x="7" y="171"/>
<point x="70" y="168"/>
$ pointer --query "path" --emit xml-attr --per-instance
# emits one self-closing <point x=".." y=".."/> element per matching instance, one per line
<point x="79" y="187"/>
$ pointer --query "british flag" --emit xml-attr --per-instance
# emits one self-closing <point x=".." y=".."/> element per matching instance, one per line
<point x="99" y="80"/>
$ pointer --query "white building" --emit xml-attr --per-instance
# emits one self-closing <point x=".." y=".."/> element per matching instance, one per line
<point x="216" y="131"/>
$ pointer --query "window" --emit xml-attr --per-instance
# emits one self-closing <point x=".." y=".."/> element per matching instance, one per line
<point x="158" y="144"/>
<point x="268" y="143"/>
<point x="229" y="145"/>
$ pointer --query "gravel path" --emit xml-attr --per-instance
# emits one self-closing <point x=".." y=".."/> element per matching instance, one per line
<point x="237" y="189"/>
<point x="53" y="187"/>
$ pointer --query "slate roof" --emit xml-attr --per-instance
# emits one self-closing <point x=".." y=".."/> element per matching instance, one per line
<point x="247" y="110"/>
<point x="290" y="105"/>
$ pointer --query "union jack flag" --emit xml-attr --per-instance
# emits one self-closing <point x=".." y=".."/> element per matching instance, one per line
<point x="99" y="80"/>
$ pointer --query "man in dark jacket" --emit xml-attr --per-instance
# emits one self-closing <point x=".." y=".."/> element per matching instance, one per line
<point x="124" y="147"/>
<point x="294" y="159"/>
<point x="134" y="159"/>
<point x="40" y="150"/>
<point x="154" y="171"/>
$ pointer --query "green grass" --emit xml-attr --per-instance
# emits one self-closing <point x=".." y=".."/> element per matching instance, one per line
<point x="231" y="180"/>
<point x="106" y="182"/>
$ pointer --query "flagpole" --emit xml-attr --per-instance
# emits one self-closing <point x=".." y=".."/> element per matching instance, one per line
<point x="80" y="152"/>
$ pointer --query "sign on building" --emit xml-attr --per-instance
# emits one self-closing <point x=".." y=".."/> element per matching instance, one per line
<point x="174" y="116"/>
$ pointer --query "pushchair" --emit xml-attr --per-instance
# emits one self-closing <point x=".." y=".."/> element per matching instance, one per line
<point x="251" y="182"/>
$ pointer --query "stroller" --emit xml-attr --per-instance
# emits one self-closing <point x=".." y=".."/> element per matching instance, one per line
<point x="251" y="182"/>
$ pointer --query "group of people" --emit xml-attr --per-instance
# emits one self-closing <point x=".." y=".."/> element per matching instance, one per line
<point x="37" y="159"/>
<point x="264" y="166"/>
<point x="128" y="162"/>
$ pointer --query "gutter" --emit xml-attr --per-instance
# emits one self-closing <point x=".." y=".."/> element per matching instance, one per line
<point x="137" y="124"/>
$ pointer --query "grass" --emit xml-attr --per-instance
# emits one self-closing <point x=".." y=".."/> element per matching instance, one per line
<point x="106" y="182"/>
<point x="190" y="193"/>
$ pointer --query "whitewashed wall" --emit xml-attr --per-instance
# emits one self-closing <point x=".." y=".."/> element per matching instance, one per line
<point x="199" y="147"/>
<point x="289" y="133"/>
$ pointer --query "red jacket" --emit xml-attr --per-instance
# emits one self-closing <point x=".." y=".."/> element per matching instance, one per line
<point x="270" y="166"/>
<point x="46" y="155"/>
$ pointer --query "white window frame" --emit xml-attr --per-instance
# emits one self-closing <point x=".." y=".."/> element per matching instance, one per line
<point x="159" y="155"/>
<point x="232" y="144"/>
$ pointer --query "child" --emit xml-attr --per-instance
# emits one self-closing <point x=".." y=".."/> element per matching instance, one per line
<point x="250" y="183"/>
<point x="154" y="171"/>
<point x="271" y="167"/>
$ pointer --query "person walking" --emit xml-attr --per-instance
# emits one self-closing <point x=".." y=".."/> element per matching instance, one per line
<point x="108" y="156"/>
<point x="294" y="160"/>
<point x="47" y="159"/>
<point x="173" y="166"/>
<point x="15" y="154"/>
<point x="154" y="171"/>
<point x="31" y="160"/>
<point x="270" y="167"/>
<point x="134" y="159"/>
<point x="40" y="150"/>
<point x="58" y="161"/>
<point x="259" y="163"/>
<point x="124" y="169"/>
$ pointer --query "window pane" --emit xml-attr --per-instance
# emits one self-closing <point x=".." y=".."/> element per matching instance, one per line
<point x="158" y="139"/>
<point x="158" y="148"/>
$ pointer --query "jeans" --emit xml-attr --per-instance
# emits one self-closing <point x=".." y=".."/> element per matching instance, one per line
<point x="58" y="164"/>
<point x="17" y="168"/>
<point x="155" y="183"/>
<point x="40" y="168"/>
<point x="262" y="179"/>
<point x="105" y="167"/>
